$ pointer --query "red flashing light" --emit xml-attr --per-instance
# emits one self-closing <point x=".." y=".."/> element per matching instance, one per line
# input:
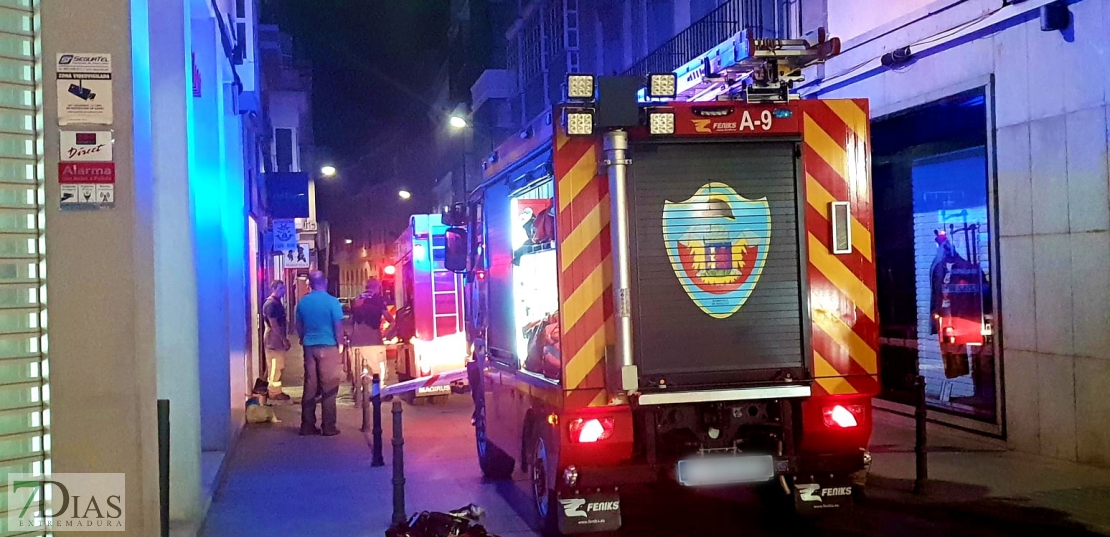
<point x="389" y="270"/>
<point x="590" y="430"/>
<point x="481" y="274"/>
<point x="843" y="417"/>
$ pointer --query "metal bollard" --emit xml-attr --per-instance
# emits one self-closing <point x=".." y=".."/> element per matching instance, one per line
<point x="921" y="454"/>
<point x="364" y="399"/>
<point x="164" y="465"/>
<point x="399" y="515"/>
<point x="356" y="374"/>
<point x="376" y="399"/>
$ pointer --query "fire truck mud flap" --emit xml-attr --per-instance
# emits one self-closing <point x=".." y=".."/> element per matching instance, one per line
<point x="818" y="498"/>
<point x="590" y="513"/>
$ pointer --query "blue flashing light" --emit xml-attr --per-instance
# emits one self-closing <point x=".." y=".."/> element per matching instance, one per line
<point x="783" y="113"/>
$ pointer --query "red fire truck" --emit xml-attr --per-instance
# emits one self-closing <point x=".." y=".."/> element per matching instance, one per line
<point x="666" y="288"/>
<point x="429" y="306"/>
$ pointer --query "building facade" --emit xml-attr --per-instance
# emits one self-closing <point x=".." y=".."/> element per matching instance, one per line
<point x="149" y="248"/>
<point x="969" y="140"/>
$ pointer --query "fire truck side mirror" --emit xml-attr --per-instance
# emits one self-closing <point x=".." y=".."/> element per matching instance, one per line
<point x="456" y="250"/>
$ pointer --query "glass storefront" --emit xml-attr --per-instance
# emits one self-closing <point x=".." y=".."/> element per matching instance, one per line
<point x="935" y="249"/>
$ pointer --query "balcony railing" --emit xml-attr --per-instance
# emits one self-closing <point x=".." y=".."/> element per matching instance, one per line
<point x="756" y="16"/>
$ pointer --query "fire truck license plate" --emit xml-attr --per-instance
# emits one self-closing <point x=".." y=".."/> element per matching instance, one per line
<point x="433" y="390"/>
<point x="726" y="470"/>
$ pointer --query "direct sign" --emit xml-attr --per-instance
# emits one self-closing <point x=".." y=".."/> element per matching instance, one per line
<point x="86" y="146"/>
<point x="81" y="173"/>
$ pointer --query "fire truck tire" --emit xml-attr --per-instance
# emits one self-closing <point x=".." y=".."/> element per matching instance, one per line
<point x="542" y="494"/>
<point x="495" y="464"/>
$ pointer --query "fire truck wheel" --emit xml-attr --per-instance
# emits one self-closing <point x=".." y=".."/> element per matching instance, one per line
<point x="542" y="494"/>
<point x="495" y="464"/>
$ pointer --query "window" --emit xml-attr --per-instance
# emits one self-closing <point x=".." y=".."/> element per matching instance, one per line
<point x="935" y="250"/>
<point x="283" y="147"/>
<point x="535" y="268"/>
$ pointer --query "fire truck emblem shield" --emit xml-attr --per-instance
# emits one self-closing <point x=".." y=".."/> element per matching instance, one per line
<point x="717" y="242"/>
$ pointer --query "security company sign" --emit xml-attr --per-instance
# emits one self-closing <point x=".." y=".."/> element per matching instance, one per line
<point x="86" y="173"/>
<point x="86" y="146"/>
<point x="594" y="512"/>
<point x="84" y="83"/>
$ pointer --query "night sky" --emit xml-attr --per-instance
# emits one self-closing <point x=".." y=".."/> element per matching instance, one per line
<point x="374" y="63"/>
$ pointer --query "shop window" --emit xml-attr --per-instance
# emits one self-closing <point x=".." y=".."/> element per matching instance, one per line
<point x="934" y="250"/>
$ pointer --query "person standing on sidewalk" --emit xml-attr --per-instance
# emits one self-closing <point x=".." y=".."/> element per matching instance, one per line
<point x="276" y="340"/>
<point x="320" y="326"/>
<point x="366" y="328"/>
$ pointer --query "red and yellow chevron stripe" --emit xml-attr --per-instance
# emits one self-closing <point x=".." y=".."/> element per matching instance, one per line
<point x="837" y="167"/>
<point x="585" y="268"/>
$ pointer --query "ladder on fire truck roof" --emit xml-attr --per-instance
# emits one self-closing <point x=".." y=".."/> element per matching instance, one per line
<point x="754" y="70"/>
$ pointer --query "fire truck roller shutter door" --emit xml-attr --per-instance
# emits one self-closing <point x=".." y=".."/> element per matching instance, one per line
<point x="715" y="238"/>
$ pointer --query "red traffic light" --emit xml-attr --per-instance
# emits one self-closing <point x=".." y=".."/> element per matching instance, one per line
<point x="389" y="270"/>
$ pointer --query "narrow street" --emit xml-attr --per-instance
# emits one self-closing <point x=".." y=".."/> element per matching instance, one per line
<point x="280" y="484"/>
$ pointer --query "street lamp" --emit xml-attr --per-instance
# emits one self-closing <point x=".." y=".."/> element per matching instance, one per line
<point x="404" y="194"/>
<point x="348" y="241"/>
<point x="328" y="171"/>
<point x="458" y="122"/>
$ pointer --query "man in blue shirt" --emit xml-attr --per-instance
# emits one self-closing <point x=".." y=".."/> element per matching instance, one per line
<point x="320" y="326"/>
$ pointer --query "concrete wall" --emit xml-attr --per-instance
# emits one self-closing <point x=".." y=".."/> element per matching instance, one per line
<point x="848" y="19"/>
<point x="103" y="276"/>
<point x="1051" y="91"/>
<point x="126" y="282"/>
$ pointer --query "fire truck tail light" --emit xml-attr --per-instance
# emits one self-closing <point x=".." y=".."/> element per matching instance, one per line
<point x="843" y="417"/>
<point x="661" y="122"/>
<point x="590" y="430"/>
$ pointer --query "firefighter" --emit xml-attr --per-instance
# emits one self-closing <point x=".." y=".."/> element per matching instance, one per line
<point x="367" y="313"/>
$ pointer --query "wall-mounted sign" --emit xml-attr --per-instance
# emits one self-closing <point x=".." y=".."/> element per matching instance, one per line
<point x="84" y="88"/>
<point x="299" y="257"/>
<point x="86" y="172"/>
<point x="287" y="194"/>
<point x="79" y="146"/>
<point x="285" y="235"/>
<point x="87" y="185"/>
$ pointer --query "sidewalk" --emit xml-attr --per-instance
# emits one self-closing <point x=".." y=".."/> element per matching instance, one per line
<point x="277" y="483"/>
<point x="976" y="474"/>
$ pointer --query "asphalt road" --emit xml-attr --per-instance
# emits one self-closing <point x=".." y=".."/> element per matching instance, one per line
<point x="890" y="509"/>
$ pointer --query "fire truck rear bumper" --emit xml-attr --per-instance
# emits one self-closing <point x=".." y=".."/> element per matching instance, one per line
<point x="802" y="465"/>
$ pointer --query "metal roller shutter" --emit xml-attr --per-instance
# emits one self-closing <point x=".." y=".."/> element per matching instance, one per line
<point x="24" y="368"/>
<point x="715" y="267"/>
